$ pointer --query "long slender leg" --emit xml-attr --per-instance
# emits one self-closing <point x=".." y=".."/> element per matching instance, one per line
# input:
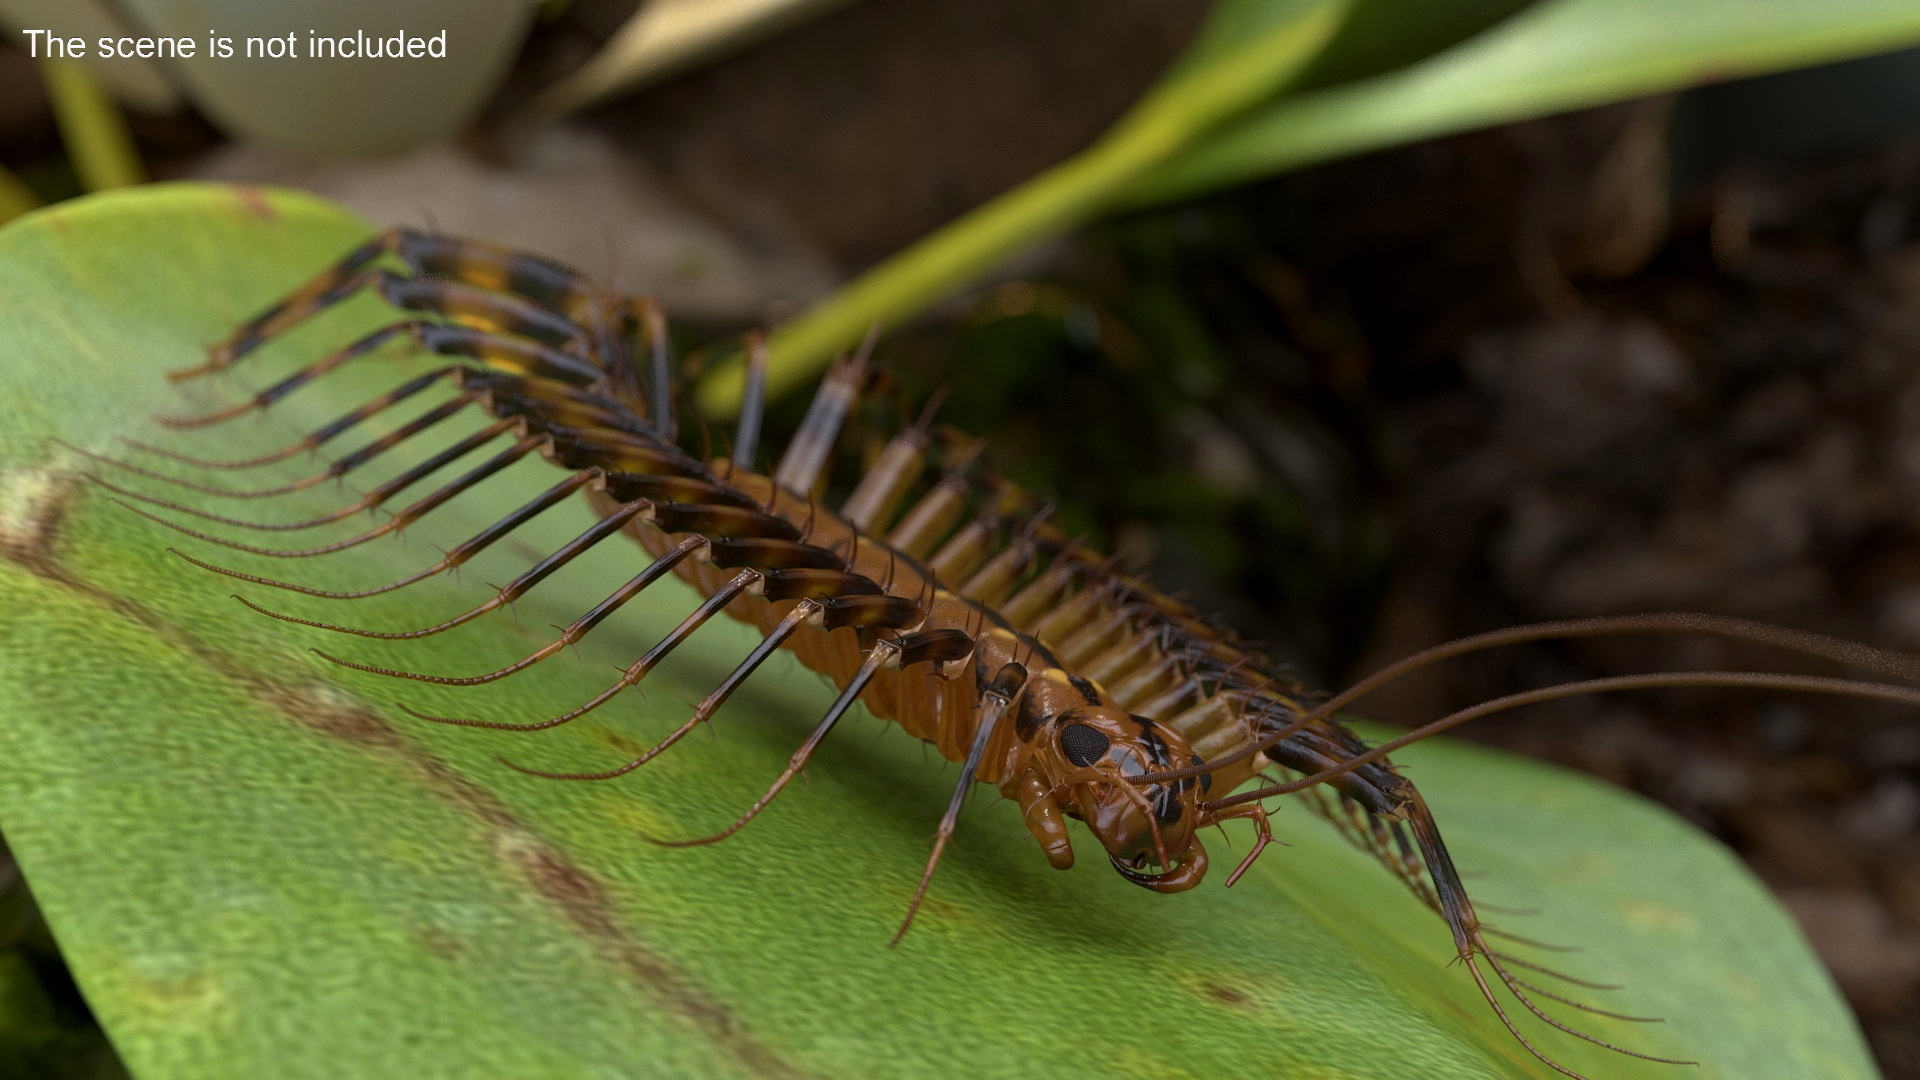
<point x="806" y="456"/>
<point x="878" y="657"/>
<point x="659" y="367"/>
<point x="753" y="404"/>
<point x="992" y="704"/>
<point x="464" y="551"/>
<point x="399" y="521"/>
<point x="310" y="442"/>
<point x="514" y="590"/>
<point x="709" y="704"/>
<point x="370" y="500"/>
<point x="720" y="599"/>
<point x="571" y="635"/>
<point x="346" y="465"/>
<point x="366" y="344"/>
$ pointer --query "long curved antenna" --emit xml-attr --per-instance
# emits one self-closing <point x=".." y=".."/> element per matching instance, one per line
<point x="638" y="671"/>
<point x="880" y="654"/>
<point x="1755" y="680"/>
<point x="1852" y="653"/>
<point x="569" y="636"/>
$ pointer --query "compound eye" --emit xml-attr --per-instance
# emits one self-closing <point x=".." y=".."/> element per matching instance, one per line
<point x="1206" y="779"/>
<point x="1083" y="745"/>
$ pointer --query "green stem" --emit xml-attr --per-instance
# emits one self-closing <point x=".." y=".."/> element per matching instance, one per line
<point x="96" y="135"/>
<point x="1053" y="202"/>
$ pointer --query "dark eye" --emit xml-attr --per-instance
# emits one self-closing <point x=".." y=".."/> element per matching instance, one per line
<point x="1206" y="779"/>
<point x="1083" y="745"/>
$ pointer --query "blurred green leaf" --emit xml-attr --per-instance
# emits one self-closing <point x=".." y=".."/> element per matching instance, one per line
<point x="95" y="133"/>
<point x="1553" y="56"/>
<point x="258" y="866"/>
<point x="16" y="197"/>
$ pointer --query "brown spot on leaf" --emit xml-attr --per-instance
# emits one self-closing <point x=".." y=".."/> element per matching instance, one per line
<point x="255" y="201"/>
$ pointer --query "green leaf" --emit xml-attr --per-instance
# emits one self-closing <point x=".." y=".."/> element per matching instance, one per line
<point x="1554" y="56"/>
<point x="259" y="866"/>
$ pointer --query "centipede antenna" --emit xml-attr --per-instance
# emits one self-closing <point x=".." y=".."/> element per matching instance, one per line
<point x="450" y="560"/>
<point x="630" y="677"/>
<point x="399" y="521"/>
<point x="753" y="403"/>
<point x="934" y="400"/>
<point x="609" y="525"/>
<point x="992" y="704"/>
<point x="1755" y="680"/>
<point x="876" y="658"/>
<point x="1853" y="654"/>
<point x="570" y="635"/>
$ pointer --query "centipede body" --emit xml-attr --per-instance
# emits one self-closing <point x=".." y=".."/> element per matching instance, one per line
<point x="937" y="594"/>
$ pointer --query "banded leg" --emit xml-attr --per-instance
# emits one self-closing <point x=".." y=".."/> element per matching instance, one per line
<point x="709" y="704"/>
<point x="514" y="590"/>
<point x="460" y="554"/>
<point x="753" y="404"/>
<point x="880" y="655"/>
<point x="480" y="266"/>
<point x="399" y="521"/>
<point x="347" y="464"/>
<point x="570" y="635"/>
<point x="993" y="703"/>
<point x="721" y="598"/>
<point x="805" y="459"/>
<point x="312" y="441"/>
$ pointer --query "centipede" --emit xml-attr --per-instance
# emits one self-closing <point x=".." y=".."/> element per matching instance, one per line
<point x="937" y="593"/>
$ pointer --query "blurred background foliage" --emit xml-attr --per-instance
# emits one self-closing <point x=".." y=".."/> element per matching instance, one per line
<point x="1657" y="351"/>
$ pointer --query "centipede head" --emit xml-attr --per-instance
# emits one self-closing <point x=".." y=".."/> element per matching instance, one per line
<point x="1089" y="752"/>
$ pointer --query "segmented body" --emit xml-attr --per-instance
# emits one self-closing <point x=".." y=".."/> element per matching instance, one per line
<point x="943" y="600"/>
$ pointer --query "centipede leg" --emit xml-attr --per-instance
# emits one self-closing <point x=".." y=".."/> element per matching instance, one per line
<point x="311" y="442"/>
<point x="876" y="659"/>
<point x="570" y="635"/>
<point x="347" y="464"/>
<point x="723" y="596"/>
<point x="399" y="521"/>
<point x="555" y="289"/>
<point x="992" y="704"/>
<point x="806" y="456"/>
<point x="753" y="405"/>
<point x="458" y="556"/>
<point x="609" y="525"/>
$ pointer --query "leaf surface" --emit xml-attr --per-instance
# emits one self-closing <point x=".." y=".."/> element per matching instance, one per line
<point x="257" y="865"/>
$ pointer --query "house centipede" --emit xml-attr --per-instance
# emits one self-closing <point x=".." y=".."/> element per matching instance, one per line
<point x="951" y="605"/>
